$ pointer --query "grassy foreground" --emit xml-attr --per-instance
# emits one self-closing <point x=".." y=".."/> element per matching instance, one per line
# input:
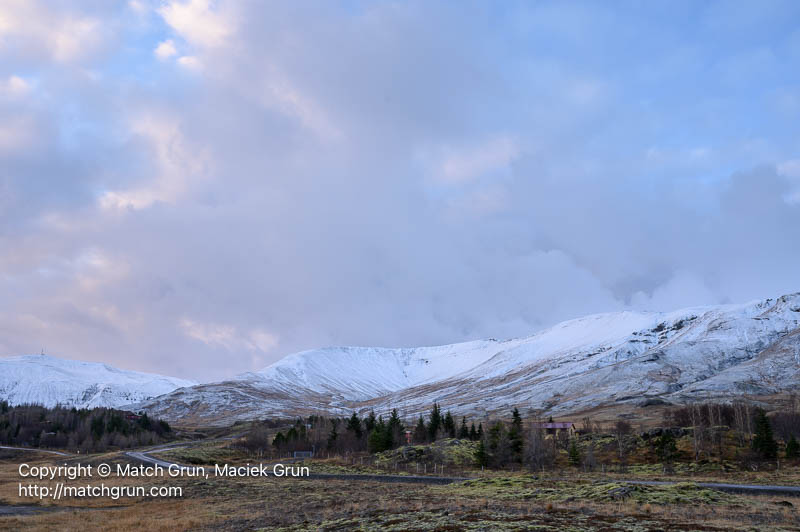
<point x="500" y="501"/>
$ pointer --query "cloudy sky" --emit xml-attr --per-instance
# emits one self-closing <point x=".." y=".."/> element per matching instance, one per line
<point x="199" y="188"/>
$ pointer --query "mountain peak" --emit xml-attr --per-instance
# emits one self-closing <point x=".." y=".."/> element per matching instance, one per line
<point x="49" y="380"/>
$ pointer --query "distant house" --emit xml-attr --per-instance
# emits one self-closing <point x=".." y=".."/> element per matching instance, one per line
<point x="303" y="454"/>
<point x="130" y="416"/>
<point x="554" y="427"/>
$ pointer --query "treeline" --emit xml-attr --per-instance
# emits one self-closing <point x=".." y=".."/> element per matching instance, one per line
<point x="84" y="430"/>
<point x="751" y="427"/>
<point x="356" y="434"/>
<point x="723" y="431"/>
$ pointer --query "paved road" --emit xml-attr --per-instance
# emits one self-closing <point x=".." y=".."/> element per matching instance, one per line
<point x="144" y="456"/>
<point x="12" y="509"/>
<point x="59" y="453"/>
<point x="750" y="489"/>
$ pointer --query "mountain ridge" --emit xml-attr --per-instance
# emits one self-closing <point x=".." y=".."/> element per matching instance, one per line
<point x="49" y="381"/>
<point x="710" y="352"/>
<point x="572" y="366"/>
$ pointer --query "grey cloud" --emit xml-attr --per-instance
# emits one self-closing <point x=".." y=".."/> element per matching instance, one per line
<point x="286" y="196"/>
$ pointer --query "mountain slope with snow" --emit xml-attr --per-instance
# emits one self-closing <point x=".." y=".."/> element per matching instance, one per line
<point x="49" y="381"/>
<point x="717" y="352"/>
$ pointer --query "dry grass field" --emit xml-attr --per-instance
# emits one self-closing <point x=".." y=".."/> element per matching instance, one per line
<point x="497" y="501"/>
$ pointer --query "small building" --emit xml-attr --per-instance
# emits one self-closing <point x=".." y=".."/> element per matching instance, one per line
<point x="408" y="437"/>
<point x="554" y="427"/>
<point x="303" y="454"/>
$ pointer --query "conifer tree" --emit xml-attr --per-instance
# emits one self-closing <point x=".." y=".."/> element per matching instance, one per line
<point x="354" y="426"/>
<point x="480" y="431"/>
<point x="481" y="456"/>
<point x="666" y="448"/>
<point x="394" y="429"/>
<point x="377" y="438"/>
<point x="435" y="422"/>
<point x="473" y="434"/>
<point x="332" y="436"/>
<point x="792" y="448"/>
<point x="369" y="422"/>
<point x="449" y="425"/>
<point x="515" y="436"/>
<point x="763" y="441"/>
<point x="574" y="454"/>
<point x="463" y="431"/>
<point x="421" y="431"/>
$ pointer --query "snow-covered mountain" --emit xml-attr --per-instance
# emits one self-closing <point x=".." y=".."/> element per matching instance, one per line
<point x="49" y="381"/>
<point x="623" y="357"/>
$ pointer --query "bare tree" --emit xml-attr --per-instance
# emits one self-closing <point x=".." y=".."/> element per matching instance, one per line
<point x="622" y="430"/>
<point x="589" y="461"/>
<point x="538" y="452"/>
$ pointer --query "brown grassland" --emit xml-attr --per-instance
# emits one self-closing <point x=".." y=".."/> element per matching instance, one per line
<point x="559" y="500"/>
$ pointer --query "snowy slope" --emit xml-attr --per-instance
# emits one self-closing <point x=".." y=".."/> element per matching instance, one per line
<point x="47" y="380"/>
<point x="358" y="373"/>
<point x="692" y="354"/>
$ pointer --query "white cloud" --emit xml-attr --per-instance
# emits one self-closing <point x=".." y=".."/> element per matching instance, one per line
<point x="137" y="6"/>
<point x="467" y="163"/>
<point x="190" y="62"/>
<point x="17" y="132"/>
<point x="197" y="22"/>
<point x="14" y="86"/>
<point x="165" y="50"/>
<point x="279" y="93"/>
<point x="228" y="337"/>
<point x="75" y="37"/>
<point x="176" y="162"/>
<point x="40" y="28"/>
<point x="532" y="200"/>
<point x="683" y="289"/>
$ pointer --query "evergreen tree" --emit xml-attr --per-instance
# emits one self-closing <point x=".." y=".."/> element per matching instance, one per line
<point x="369" y="422"/>
<point x="332" y="436"/>
<point x="354" y="426"/>
<point x="449" y="425"/>
<point x="377" y="438"/>
<point x="763" y="441"/>
<point x="421" y="431"/>
<point x="463" y="431"/>
<point x="480" y="431"/>
<point x="435" y="422"/>
<point x="574" y="454"/>
<point x="666" y="449"/>
<point x="481" y="456"/>
<point x="394" y="430"/>
<point x="473" y="434"/>
<point x="792" y="448"/>
<point x="515" y="435"/>
<point x="98" y="427"/>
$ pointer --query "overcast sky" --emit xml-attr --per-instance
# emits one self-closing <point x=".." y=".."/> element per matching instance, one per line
<point x="199" y="188"/>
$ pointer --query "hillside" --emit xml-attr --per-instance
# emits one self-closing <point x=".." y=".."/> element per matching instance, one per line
<point x="697" y="353"/>
<point x="50" y="381"/>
